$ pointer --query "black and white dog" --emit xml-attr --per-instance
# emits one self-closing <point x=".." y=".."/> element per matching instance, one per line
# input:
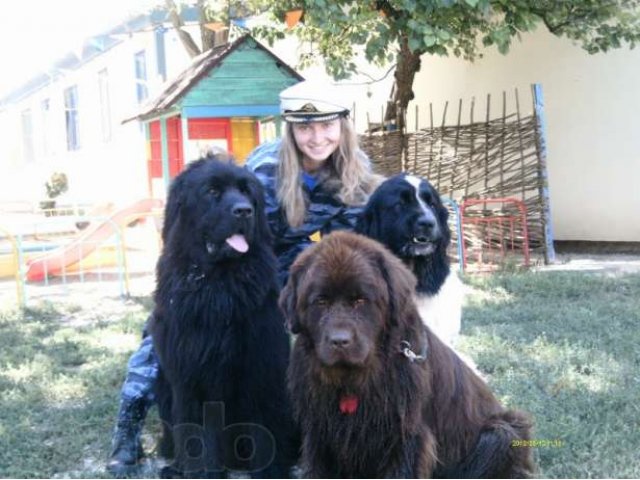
<point x="406" y="214"/>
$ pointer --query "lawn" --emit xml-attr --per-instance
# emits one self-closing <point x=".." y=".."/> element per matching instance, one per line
<point x="564" y="346"/>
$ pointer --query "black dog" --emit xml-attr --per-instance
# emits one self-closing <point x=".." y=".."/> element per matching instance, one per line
<point x="217" y="329"/>
<point x="405" y="214"/>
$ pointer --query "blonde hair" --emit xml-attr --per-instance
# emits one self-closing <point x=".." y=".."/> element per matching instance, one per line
<point x="348" y="165"/>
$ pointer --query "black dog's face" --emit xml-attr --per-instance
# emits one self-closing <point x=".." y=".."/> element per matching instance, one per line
<point x="215" y="212"/>
<point x="405" y="213"/>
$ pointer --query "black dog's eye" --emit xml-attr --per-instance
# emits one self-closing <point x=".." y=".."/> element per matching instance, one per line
<point x="427" y="198"/>
<point x="214" y="191"/>
<point x="404" y="199"/>
<point x="243" y="187"/>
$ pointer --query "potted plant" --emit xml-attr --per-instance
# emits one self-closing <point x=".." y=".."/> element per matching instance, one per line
<point x="55" y="186"/>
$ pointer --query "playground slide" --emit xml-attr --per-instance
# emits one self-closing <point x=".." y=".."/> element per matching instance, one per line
<point x="67" y="255"/>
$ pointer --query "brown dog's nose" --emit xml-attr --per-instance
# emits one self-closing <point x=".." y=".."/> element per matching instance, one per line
<point x="340" y="338"/>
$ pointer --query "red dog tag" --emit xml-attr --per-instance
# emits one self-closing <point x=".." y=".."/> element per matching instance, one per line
<point x="348" y="404"/>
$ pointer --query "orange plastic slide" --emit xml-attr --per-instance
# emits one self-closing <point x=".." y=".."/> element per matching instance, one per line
<point x="54" y="261"/>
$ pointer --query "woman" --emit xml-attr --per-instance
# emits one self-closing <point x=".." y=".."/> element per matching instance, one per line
<point x="316" y="180"/>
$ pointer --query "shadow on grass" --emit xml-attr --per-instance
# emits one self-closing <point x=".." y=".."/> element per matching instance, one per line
<point x="564" y="346"/>
<point x="59" y="389"/>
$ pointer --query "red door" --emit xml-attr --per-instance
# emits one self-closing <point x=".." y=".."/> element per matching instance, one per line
<point x="174" y="143"/>
<point x="174" y="137"/>
<point x="154" y="154"/>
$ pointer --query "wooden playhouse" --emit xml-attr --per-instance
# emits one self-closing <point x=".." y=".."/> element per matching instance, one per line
<point x="227" y="98"/>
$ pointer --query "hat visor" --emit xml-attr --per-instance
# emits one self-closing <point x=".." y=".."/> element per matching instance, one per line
<point x="309" y="117"/>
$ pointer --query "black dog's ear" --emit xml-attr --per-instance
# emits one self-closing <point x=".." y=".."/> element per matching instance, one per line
<point x="172" y="208"/>
<point x="289" y="299"/>
<point x="262" y="224"/>
<point x="400" y="282"/>
<point x="442" y="213"/>
<point x="368" y="223"/>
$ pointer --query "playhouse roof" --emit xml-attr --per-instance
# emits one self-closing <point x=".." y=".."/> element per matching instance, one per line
<point x="201" y="66"/>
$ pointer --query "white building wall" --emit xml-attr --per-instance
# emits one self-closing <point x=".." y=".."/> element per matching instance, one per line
<point x="592" y="105"/>
<point x="591" y="108"/>
<point x="99" y="171"/>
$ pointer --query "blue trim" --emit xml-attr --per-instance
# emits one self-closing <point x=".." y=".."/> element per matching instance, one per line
<point x="541" y="124"/>
<point x="456" y="211"/>
<point x="231" y="111"/>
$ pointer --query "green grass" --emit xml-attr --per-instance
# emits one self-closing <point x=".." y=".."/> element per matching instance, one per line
<point x="61" y="368"/>
<point x="564" y="346"/>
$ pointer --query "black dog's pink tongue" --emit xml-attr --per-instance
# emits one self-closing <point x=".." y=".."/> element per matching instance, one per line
<point x="348" y="404"/>
<point x="238" y="242"/>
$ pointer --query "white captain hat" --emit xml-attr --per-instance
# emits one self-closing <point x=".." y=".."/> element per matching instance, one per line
<point x="313" y="101"/>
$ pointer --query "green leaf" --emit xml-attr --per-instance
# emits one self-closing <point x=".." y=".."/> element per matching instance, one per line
<point x="472" y="3"/>
<point x="414" y="44"/>
<point x="444" y="35"/>
<point x="430" y="40"/>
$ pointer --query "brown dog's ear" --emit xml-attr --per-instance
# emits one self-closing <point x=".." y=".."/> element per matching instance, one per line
<point x="400" y="284"/>
<point x="289" y="299"/>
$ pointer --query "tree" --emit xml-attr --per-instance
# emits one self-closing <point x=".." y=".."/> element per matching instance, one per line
<point x="214" y="14"/>
<point x="401" y="31"/>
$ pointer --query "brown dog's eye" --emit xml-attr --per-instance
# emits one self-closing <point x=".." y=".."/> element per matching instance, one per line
<point x="357" y="302"/>
<point x="320" y="301"/>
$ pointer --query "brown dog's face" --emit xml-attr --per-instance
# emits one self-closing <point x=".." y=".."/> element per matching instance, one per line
<point x="340" y="313"/>
<point x="339" y="299"/>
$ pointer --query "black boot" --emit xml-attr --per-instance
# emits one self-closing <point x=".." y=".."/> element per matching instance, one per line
<point x="127" y="448"/>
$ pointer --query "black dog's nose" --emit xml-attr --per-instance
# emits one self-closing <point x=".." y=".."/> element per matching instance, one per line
<point x="340" y="339"/>
<point x="426" y="224"/>
<point x="242" y="210"/>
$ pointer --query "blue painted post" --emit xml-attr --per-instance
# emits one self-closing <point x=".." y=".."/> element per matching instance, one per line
<point x="166" y="177"/>
<point x="541" y="144"/>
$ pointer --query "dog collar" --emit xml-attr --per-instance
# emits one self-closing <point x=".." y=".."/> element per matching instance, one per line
<point x="405" y="349"/>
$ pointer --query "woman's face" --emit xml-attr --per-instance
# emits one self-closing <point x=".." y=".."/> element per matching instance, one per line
<point x="317" y="141"/>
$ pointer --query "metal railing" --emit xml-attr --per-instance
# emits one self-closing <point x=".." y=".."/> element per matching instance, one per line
<point x="494" y="234"/>
<point x="53" y="257"/>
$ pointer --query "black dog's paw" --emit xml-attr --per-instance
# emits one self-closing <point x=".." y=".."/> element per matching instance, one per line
<point x="170" y="472"/>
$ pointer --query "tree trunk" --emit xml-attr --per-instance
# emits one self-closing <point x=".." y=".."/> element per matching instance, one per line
<point x="206" y="36"/>
<point x="402" y="93"/>
<point x="190" y="46"/>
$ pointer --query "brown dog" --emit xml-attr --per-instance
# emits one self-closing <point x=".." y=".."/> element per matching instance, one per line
<point x="376" y="394"/>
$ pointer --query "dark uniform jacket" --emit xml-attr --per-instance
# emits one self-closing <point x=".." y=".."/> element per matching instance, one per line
<point x="325" y="211"/>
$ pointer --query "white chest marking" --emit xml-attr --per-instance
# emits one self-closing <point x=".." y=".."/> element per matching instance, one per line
<point x="442" y="312"/>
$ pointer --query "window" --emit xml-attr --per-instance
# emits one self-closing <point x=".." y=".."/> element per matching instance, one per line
<point x="105" y="104"/>
<point x="71" y="117"/>
<point x="27" y="136"/>
<point x="45" y="117"/>
<point x="141" y="76"/>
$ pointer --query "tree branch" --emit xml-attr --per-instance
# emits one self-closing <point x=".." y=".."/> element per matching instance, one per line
<point x="192" y="48"/>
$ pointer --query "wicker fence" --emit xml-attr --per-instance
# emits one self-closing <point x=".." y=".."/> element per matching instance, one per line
<point x="495" y="157"/>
